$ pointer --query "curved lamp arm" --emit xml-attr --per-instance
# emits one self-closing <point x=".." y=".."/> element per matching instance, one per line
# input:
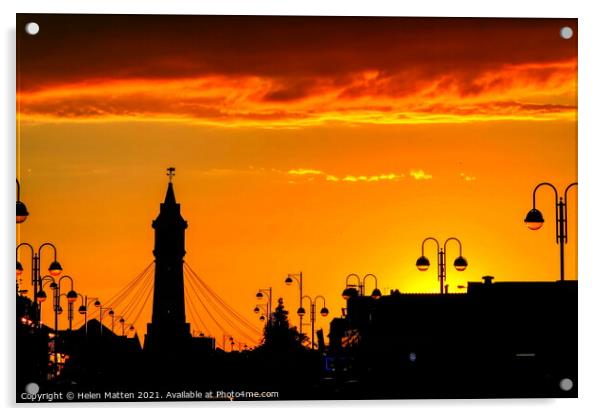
<point x="267" y="292"/>
<point x="323" y="300"/>
<point x="374" y="277"/>
<point x="25" y="244"/>
<point x="566" y="239"/>
<point x="65" y="277"/>
<point x="308" y="298"/>
<point x="545" y="184"/>
<point x="454" y="239"/>
<point x="555" y="201"/>
<point x="359" y="280"/>
<point x="47" y="279"/>
<point x="48" y="244"/>
<point x="431" y="239"/>
<point x="297" y="277"/>
<point x="567" y="189"/>
<point x="18" y="264"/>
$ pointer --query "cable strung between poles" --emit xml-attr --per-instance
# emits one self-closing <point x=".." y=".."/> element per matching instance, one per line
<point x="231" y="310"/>
<point x="120" y="294"/>
<point x="135" y="321"/>
<point x="137" y="297"/>
<point x="114" y="304"/>
<point x="208" y="311"/>
<point x="233" y="325"/>
<point x="126" y="289"/>
<point x="196" y="316"/>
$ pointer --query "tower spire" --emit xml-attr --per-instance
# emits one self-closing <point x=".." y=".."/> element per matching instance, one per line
<point x="168" y="327"/>
<point x="171" y="172"/>
<point x="170" y="196"/>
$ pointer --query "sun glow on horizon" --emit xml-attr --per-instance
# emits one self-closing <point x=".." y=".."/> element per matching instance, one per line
<point x="319" y="151"/>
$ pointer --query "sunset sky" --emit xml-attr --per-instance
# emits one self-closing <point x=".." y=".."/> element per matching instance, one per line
<point x="327" y="145"/>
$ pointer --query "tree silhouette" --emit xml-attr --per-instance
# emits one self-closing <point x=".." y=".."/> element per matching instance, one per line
<point x="279" y="335"/>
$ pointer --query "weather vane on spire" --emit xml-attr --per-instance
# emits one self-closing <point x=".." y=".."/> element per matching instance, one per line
<point x="171" y="172"/>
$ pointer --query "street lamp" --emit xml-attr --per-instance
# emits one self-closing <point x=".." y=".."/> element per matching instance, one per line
<point x="83" y="309"/>
<point x="101" y="314"/>
<point x="534" y="219"/>
<point x="122" y="323"/>
<point x="290" y="279"/>
<point x="312" y="313"/>
<point x="230" y="341"/>
<point x="59" y="308"/>
<point x="71" y="297"/>
<point x="40" y="297"/>
<point x="112" y="315"/>
<point x="423" y="262"/>
<point x="354" y="289"/>
<point x="54" y="269"/>
<point x="259" y="296"/>
<point x="22" y="212"/>
<point x="55" y="285"/>
<point x="263" y="309"/>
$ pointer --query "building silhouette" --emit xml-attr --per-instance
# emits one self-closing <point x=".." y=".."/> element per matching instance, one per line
<point x="505" y="339"/>
<point x="168" y="332"/>
<point x="94" y="355"/>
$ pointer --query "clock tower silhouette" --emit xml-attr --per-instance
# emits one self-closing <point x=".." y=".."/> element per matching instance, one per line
<point x="168" y="331"/>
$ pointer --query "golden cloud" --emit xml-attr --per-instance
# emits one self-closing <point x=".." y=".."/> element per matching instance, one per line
<point x="513" y="92"/>
<point x="313" y="173"/>
<point x="420" y="175"/>
<point x="468" y="178"/>
<point x="302" y="172"/>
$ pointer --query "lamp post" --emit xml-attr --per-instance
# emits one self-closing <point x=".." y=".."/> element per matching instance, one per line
<point x="312" y="313"/>
<point x="423" y="263"/>
<point x="54" y="269"/>
<point x="22" y="212"/>
<point x="268" y="293"/>
<point x="41" y="296"/>
<point x="55" y="285"/>
<point x="352" y="289"/>
<point x="71" y="296"/>
<point x="122" y="323"/>
<point x="230" y="340"/>
<point x="534" y="219"/>
<point x="112" y="315"/>
<point x="290" y="279"/>
<point x="101" y="309"/>
<point x="83" y="309"/>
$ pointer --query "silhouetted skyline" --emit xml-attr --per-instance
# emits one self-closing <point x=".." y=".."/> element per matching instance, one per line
<point x="291" y="156"/>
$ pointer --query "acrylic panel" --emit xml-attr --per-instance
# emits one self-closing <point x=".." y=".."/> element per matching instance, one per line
<point x="292" y="208"/>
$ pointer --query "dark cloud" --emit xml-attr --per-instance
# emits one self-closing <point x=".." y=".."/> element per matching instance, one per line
<point x="74" y="48"/>
<point x="294" y="91"/>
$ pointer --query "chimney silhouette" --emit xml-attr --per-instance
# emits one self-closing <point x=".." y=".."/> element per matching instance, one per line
<point x="488" y="280"/>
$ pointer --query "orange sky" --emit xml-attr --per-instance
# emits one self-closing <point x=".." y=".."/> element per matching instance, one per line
<point x="332" y="146"/>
